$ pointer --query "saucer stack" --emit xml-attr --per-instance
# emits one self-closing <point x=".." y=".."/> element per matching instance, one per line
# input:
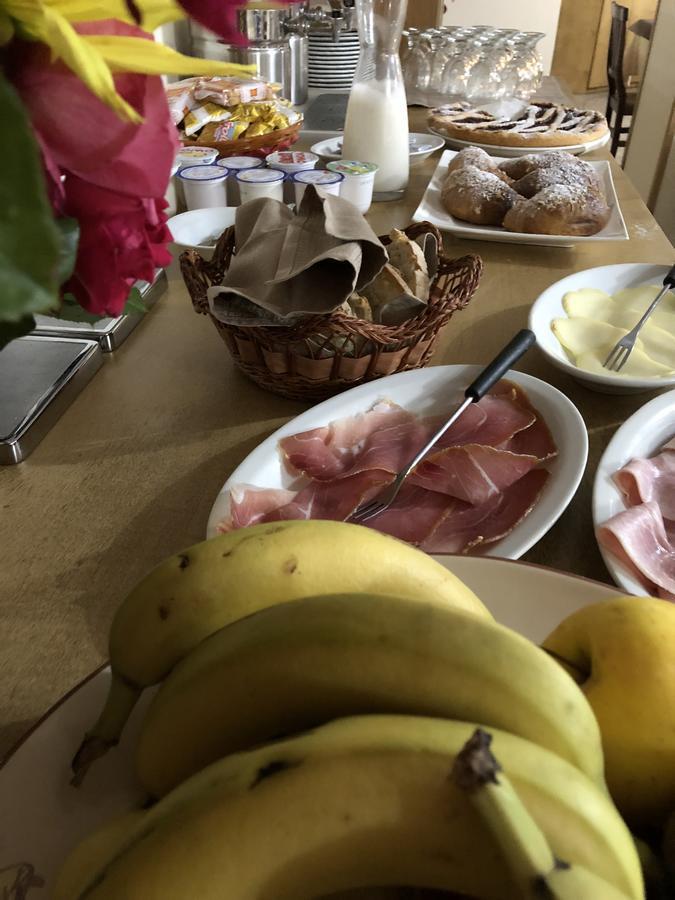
<point x="332" y="64"/>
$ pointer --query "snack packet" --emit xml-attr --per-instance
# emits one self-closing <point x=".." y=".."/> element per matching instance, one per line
<point x="201" y="115"/>
<point x="181" y="99"/>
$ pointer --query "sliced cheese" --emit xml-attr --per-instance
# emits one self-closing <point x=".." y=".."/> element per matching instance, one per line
<point x="638" y="299"/>
<point x="588" y="342"/>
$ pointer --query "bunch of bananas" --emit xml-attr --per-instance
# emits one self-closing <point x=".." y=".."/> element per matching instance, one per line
<point x="384" y="672"/>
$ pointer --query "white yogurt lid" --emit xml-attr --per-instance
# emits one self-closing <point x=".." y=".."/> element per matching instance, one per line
<point x="260" y="176"/>
<point x="194" y="155"/>
<point x="240" y="162"/>
<point x="318" y="176"/>
<point x="352" y="167"/>
<point x="202" y="173"/>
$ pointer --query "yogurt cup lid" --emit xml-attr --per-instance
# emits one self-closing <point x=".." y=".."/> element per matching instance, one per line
<point x="352" y="167"/>
<point x="260" y="176"/>
<point x="195" y="154"/>
<point x="318" y="176"/>
<point x="240" y="162"/>
<point x="202" y="173"/>
<point x="292" y="158"/>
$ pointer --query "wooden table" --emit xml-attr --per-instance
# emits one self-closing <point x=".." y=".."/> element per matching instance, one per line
<point x="130" y="472"/>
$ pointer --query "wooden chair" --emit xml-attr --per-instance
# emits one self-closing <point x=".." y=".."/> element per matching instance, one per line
<point x="620" y="101"/>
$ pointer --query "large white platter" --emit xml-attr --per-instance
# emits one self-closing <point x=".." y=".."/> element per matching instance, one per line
<point x="640" y="436"/>
<point x="503" y="150"/>
<point x="432" y="210"/>
<point x="430" y="392"/>
<point x="44" y="817"/>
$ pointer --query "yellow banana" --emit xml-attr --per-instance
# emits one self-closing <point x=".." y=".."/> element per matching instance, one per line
<point x="525" y="848"/>
<point x="191" y="595"/>
<point x="300" y="664"/>
<point x="358" y="802"/>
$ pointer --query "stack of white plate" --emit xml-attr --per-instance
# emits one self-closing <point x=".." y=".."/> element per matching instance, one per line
<point x="332" y="64"/>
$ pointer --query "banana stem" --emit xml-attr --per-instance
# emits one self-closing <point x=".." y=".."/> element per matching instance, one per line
<point x="122" y="697"/>
<point x="524" y="845"/>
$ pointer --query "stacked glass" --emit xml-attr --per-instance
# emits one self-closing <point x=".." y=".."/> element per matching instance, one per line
<point x="477" y="63"/>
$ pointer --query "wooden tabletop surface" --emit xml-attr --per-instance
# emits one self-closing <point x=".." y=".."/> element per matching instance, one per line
<point x="129" y="473"/>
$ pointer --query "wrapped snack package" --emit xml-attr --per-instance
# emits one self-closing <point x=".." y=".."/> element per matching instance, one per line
<point x="231" y="91"/>
<point x="181" y="99"/>
<point x="203" y="114"/>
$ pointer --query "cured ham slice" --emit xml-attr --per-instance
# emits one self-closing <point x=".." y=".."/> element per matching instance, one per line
<point x="335" y="500"/>
<point x="330" y="451"/>
<point x="637" y="537"/>
<point x="647" y="480"/>
<point x="467" y="527"/>
<point x="471" y="473"/>
<point x="414" y="514"/>
<point x="249" y="505"/>
<point x="537" y="439"/>
<point x="387" y="437"/>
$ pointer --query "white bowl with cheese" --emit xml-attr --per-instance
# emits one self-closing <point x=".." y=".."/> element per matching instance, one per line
<point x="577" y="309"/>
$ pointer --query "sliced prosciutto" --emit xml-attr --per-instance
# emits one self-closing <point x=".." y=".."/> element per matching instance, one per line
<point x="537" y="439"/>
<point x="650" y="480"/>
<point x="477" y="483"/>
<point x="472" y="473"/>
<point x="467" y="528"/>
<point x="637" y="537"/>
<point x="249" y="505"/>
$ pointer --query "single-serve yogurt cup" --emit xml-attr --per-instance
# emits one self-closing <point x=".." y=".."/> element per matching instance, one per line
<point x="255" y="183"/>
<point x="359" y="180"/>
<point x="324" y="181"/>
<point x="196" y="156"/>
<point x="204" y="186"/>
<point x="290" y="162"/>
<point x="235" y="164"/>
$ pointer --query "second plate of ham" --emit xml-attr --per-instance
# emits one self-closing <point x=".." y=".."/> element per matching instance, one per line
<point x="499" y="480"/>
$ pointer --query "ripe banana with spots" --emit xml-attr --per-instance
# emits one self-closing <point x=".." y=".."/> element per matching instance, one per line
<point x="191" y="595"/>
<point x="299" y="664"/>
<point x="536" y="870"/>
<point x="358" y="802"/>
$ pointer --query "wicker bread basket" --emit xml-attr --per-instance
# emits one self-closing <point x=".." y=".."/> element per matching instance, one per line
<point x="261" y="145"/>
<point x="328" y="354"/>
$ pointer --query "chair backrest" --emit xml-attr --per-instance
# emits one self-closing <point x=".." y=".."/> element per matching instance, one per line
<point x="617" y="43"/>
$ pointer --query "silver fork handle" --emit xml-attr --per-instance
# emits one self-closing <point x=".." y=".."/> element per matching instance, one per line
<point x="432" y="440"/>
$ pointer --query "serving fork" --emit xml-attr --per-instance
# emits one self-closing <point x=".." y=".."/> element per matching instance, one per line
<point x="516" y="347"/>
<point x="618" y="355"/>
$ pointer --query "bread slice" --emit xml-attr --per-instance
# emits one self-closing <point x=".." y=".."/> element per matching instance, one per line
<point x="359" y="307"/>
<point x="408" y="258"/>
<point x="386" y="286"/>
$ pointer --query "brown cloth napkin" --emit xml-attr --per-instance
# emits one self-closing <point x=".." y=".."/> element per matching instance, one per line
<point x="292" y="266"/>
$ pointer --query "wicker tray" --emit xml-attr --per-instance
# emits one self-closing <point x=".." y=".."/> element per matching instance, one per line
<point x="261" y="145"/>
<point x="328" y="354"/>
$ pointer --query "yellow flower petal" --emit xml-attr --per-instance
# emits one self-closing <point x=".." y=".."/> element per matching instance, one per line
<point x="6" y="29"/>
<point x="133" y="54"/>
<point x="153" y="12"/>
<point x="50" y="27"/>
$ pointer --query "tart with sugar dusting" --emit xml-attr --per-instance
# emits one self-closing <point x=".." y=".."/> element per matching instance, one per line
<point x="539" y="124"/>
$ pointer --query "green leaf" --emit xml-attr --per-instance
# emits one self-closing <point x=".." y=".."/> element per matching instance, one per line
<point x="11" y="330"/>
<point x="134" y="304"/>
<point x="70" y="310"/>
<point x="70" y="236"/>
<point x="29" y="240"/>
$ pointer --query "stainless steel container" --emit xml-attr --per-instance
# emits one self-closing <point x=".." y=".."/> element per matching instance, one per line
<point x="260" y="25"/>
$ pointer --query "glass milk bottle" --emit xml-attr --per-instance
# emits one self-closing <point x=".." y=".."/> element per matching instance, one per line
<point x="376" y="127"/>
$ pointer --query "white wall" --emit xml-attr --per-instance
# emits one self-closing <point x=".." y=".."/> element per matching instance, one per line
<point x="652" y="117"/>
<point x="527" y="15"/>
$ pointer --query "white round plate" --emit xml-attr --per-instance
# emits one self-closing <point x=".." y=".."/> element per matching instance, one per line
<point x="45" y="817"/>
<point x="642" y="435"/>
<point x="496" y="150"/>
<point x="427" y="392"/>
<point x="548" y="306"/>
<point x="421" y="147"/>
